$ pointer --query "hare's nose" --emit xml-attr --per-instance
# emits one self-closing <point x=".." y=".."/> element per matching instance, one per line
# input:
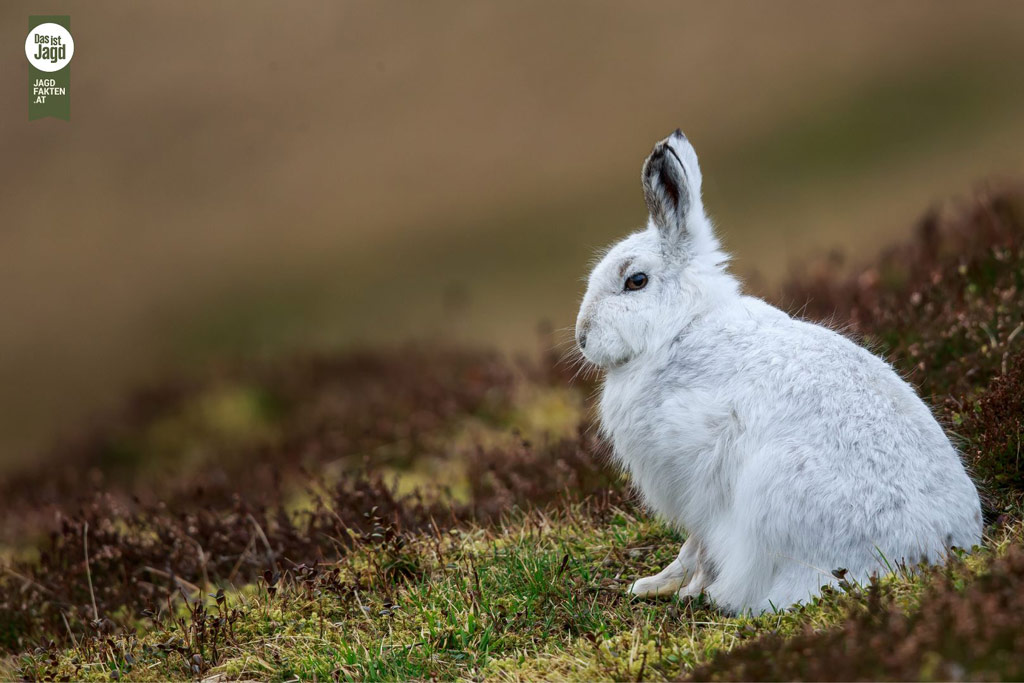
<point x="582" y="329"/>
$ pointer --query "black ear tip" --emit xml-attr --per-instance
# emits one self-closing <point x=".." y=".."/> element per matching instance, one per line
<point x="660" y="150"/>
<point x="679" y="134"/>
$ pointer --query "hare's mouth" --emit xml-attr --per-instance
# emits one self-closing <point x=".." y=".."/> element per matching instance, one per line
<point x="614" y="363"/>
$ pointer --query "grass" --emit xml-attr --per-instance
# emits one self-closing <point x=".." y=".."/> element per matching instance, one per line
<point x="443" y="514"/>
<point x="538" y="597"/>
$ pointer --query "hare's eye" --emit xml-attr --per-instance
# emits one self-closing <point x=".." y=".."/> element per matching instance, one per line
<point x="636" y="281"/>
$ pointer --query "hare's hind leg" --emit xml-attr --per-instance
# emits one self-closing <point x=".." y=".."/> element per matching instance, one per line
<point x="797" y="583"/>
<point x="671" y="578"/>
<point x="742" y="582"/>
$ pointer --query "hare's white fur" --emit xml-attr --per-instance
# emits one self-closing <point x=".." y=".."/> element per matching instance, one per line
<point x="781" y="448"/>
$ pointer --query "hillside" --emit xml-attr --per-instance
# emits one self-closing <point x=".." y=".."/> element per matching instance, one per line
<point x="476" y="153"/>
<point x="424" y="513"/>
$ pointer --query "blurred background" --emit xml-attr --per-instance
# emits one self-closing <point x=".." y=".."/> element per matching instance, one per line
<point x="245" y="178"/>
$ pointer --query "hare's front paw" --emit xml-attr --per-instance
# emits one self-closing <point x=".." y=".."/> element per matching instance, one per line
<point x="656" y="586"/>
<point x="665" y="582"/>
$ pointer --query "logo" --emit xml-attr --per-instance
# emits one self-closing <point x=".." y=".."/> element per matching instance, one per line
<point x="49" y="48"/>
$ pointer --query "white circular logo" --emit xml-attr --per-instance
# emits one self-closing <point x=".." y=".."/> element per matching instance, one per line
<point x="49" y="47"/>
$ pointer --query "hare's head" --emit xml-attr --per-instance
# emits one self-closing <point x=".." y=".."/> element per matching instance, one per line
<point x="651" y="284"/>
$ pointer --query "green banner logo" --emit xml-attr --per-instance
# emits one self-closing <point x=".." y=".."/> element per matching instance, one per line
<point x="49" y="48"/>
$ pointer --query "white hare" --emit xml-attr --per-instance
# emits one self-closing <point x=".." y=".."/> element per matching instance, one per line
<point x="780" y="447"/>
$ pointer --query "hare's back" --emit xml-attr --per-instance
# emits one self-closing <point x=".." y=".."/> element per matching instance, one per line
<point x="797" y="382"/>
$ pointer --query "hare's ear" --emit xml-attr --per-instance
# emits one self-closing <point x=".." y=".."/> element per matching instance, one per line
<point x="671" y="180"/>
